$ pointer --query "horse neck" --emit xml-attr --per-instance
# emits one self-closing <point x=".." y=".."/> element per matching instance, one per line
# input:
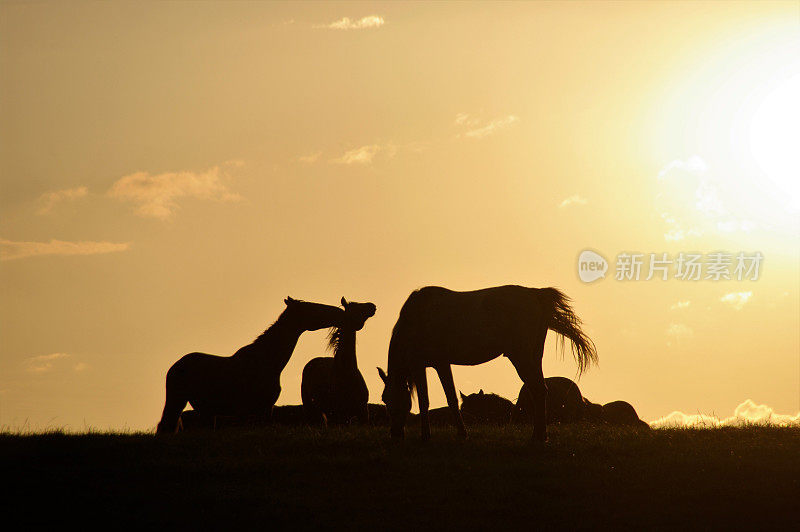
<point x="344" y="358"/>
<point x="275" y="346"/>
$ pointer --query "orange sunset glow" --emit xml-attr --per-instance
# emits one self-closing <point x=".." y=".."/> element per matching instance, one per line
<point x="171" y="172"/>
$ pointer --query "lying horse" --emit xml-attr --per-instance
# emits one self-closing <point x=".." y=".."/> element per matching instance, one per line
<point x="332" y="387"/>
<point x="486" y="409"/>
<point x="564" y="402"/>
<point x="622" y="413"/>
<point x="438" y="327"/>
<point x="248" y="382"/>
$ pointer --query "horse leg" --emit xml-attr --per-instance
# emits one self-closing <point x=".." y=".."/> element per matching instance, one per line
<point x="446" y="376"/>
<point x="529" y="369"/>
<point x="421" y="380"/>
<point x="173" y="407"/>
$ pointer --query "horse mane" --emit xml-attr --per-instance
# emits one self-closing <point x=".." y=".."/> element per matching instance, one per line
<point x="266" y="334"/>
<point x="335" y="339"/>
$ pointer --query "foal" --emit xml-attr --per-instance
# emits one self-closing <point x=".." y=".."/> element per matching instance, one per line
<point x="333" y="388"/>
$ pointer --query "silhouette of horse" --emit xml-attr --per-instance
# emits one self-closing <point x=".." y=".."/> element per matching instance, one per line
<point x="438" y="327"/>
<point x="332" y="387"/>
<point x="622" y="413"/>
<point x="248" y="382"/>
<point x="486" y="408"/>
<point x="564" y="402"/>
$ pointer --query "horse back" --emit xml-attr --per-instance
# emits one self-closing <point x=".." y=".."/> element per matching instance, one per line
<point x="489" y="320"/>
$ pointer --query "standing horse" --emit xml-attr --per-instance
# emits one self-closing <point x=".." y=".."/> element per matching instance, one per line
<point x="438" y="327"/>
<point x="248" y="382"/>
<point x="332" y="386"/>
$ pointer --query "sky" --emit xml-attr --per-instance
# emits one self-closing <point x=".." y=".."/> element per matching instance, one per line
<point x="170" y="172"/>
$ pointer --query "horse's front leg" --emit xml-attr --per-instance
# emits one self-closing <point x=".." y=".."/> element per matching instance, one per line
<point x="421" y="380"/>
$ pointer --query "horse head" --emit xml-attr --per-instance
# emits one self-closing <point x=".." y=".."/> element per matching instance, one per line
<point x="356" y="314"/>
<point x="313" y="316"/>
<point x="397" y="398"/>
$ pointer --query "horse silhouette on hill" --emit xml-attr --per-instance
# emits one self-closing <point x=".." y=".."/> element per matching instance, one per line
<point x="438" y="327"/>
<point x="248" y="382"/>
<point x="566" y="404"/>
<point x="332" y="388"/>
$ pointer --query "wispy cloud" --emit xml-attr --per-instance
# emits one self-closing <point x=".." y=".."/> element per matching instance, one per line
<point x="573" y="200"/>
<point x="679" y="331"/>
<point x="309" y="159"/>
<point x="365" y="154"/>
<point x="747" y="413"/>
<point x="43" y="363"/>
<point x="10" y="249"/>
<point x="491" y="128"/>
<point x="681" y="305"/>
<point x="156" y="196"/>
<point x="466" y="119"/>
<point x="345" y="23"/>
<point x="50" y="199"/>
<point x="691" y="201"/>
<point x="736" y="299"/>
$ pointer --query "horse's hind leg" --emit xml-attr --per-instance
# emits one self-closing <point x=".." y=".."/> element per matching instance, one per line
<point x="529" y="369"/>
<point x="421" y="380"/>
<point x="446" y="376"/>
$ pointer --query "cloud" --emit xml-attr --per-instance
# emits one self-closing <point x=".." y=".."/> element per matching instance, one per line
<point x="10" y="250"/>
<point x="466" y="119"/>
<point x="679" y="330"/>
<point x="680" y="305"/>
<point x="573" y="200"/>
<point x="309" y="159"/>
<point x="156" y="196"/>
<point x="491" y="128"/>
<point x="362" y="155"/>
<point x="691" y="201"/>
<point x="736" y="299"/>
<point x="46" y="363"/>
<point x="365" y="154"/>
<point x="43" y="363"/>
<point x="345" y="23"/>
<point x="50" y="199"/>
<point x="747" y="413"/>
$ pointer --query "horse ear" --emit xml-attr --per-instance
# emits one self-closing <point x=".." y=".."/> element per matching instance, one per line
<point x="462" y="396"/>
<point x="288" y="300"/>
<point x="344" y="302"/>
<point x="383" y="376"/>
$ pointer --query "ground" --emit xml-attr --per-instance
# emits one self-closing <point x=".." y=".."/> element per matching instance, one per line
<point x="309" y="478"/>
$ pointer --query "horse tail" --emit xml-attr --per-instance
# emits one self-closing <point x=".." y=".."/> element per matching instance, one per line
<point x="566" y="323"/>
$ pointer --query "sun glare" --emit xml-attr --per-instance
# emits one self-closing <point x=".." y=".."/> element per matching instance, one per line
<point x="737" y="109"/>
<point x="775" y="139"/>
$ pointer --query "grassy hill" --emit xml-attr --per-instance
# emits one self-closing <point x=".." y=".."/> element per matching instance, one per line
<point x="307" y="478"/>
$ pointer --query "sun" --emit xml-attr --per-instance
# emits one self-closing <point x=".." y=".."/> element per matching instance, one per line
<point x="775" y="139"/>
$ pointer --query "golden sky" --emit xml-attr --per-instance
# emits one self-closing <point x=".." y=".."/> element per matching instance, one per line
<point x="171" y="171"/>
